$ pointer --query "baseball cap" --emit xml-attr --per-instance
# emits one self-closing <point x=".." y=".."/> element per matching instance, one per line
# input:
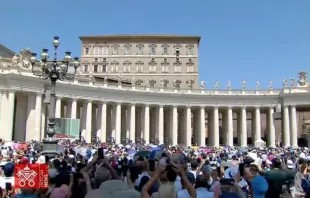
<point x="290" y="164"/>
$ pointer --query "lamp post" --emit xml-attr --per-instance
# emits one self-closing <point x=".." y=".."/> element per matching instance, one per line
<point x="54" y="71"/>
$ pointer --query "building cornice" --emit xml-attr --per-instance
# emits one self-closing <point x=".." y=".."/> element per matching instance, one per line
<point x="142" y="36"/>
<point x="13" y="80"/>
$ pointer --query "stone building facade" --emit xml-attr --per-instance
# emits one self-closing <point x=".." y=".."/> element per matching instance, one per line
<point x="148" y="60"/>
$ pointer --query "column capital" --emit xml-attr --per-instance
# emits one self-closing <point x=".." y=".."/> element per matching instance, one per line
<point x="87" y="101"/>
<point x="215" y="107"/>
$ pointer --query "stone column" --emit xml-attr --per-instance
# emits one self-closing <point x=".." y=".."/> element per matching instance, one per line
<point x="43" y="122"/>
<point x="294" y="134"/>
<point x="210" y="127"/>
<point x="253" y="125"/>
<point x="160" y="131"/>
<point x="138" y="123"/>
<point x="132" y="131"/>
<point x="58" y="108"/>
<point x="73" y="109"/>
<point x="88" y="127"/>
<point x="146" y="135"/>
<point x="38" y="116"/>
<point x="94" y="122"/>
<point x="3" y="111"/>
<point x="124" y="123"/>
<point x="258" y="135"/>
<point x="174" y="125"/>
<point x="118" y="124"/>
<point x="216" y="140"/>
<point x="8" y="115"/>
<point x="271" y="128"/>
<point x="113" y="121"/>
<point x="286" y="127"/>
<point x="181" y="128"/>
<point x="188" y="128"/>
<point x="103" y="126"/>
<point x="202" y="127"/>
<point x="31" y="117"/>
<point x="224" y="132"/>
<point x="244" y="135"/>
<point x="109" y="122"/>
<point x="230" y="128"/>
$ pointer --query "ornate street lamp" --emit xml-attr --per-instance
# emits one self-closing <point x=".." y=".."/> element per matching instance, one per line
<point x="54" y="71"/>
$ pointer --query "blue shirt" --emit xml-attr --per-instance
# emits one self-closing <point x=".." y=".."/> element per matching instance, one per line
<point x="259" y="186"/>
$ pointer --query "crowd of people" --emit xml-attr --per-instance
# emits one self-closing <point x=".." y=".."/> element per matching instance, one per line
<point x="102" y="170"/>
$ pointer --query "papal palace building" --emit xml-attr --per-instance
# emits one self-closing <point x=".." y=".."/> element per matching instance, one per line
<point x="145" y="87"/>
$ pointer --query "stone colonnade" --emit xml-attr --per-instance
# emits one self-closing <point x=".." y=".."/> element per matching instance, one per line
<point x="23" y="116"/>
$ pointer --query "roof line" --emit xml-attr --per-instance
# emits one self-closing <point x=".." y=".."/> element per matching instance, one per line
<point x="7" y="49"/>
<point x="140" y="36"/>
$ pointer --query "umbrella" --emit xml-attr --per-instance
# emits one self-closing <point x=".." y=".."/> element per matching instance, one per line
<point x="143" y="153"/>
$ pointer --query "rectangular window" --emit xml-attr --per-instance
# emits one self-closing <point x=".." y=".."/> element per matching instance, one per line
<point x="140" y="50"/>
<point x="86" y="51"/>
<point x="190" y="51"/>
<point x="152" y="85"/>
<point x="96" y="50"/>
<point x="96" y="59"/>
<point x="139" y="68"/>
<point x="165" y="50"/>
<point x="190" y="68"/>
<point x="127" y="50"/>
<point x="114" y="50"/>
<point x="114" y="68"/>
<point x="85" y="68"/>
<point x="104" y="68"/>
<point x="126" y="68"/>
<point x="177" y="69"/>
<point x="165" y="68"/>
<point x="104" y="51"/>
<point x="165" y="85"/>
<point x="152" y="50"/>
<point x="152" y="68"/>
<point x="96" y="69"/>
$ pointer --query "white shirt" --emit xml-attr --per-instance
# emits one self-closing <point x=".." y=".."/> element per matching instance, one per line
<point x="140" y="177"/>
<point x="4" y="180"/>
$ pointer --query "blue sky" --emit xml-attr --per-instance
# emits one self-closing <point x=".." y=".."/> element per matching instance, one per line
<point x="241" y="39"/>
